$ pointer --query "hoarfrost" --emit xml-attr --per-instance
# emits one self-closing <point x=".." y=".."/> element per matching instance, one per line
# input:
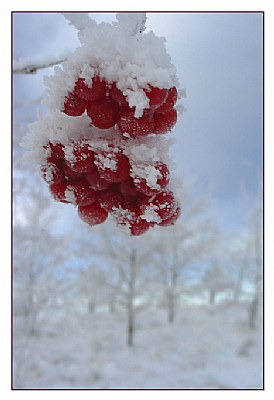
<point x="150" y="214"/>
<point x="69" y="195"/>
<point x="131" y="60"/>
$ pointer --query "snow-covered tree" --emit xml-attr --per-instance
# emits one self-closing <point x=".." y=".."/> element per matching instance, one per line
<point x="127" y="259"/>
<point x="256" y="262"/>
<point x="180" y="249"/>
<point x="215" y="280"/>
<point x="38" y="252"/>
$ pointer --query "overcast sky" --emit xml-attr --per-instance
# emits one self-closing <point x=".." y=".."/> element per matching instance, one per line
<point x="218" y="58"/>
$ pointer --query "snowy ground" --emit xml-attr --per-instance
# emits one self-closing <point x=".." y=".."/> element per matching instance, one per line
<point x="205" y="348"/>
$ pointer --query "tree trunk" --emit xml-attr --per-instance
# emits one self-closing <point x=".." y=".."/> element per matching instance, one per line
<point x="238" y="286"/>
<point x="91" y="306"/>
<point x="130" y="329"/>
<point x="254" y="307"/>
<point x="172" y="289"/>
<point x="111" y="306"/>
<point x="253" y="313"/>
<point x="31" y="310"/>
<point x="33" y="323"/>
<point x="131" y="295"/>
<point x="212" y="295"/>
<point x="171" y="308"/>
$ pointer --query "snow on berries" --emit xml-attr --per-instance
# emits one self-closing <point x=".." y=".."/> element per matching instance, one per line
<point x="104" y="145"/>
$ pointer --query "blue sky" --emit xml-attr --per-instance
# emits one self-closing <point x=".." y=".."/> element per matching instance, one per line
<point x="218" y="57"/>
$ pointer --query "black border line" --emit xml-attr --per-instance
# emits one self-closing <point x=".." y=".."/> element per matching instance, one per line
<point x="263" y="202"/>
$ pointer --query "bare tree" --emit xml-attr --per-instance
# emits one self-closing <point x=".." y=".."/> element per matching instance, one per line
<point x="216" y="280"/>
<point x="256" y="262"/>
<point x="183" y="246"/>
<point x="127" y="258"/>
<point x="37" y="256"/>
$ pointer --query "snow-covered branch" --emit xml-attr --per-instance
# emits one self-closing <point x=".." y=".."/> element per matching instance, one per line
<point x="25" y="67"/>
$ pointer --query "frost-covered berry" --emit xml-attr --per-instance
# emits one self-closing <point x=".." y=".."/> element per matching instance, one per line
<point x="129" y="191"/>
<point x="129" y="219"/>
<point x="164" y="122"/>
<point x="73" y="105"/>
<point x="136" y="127"/>
<point x="113" y="166"/>
<point x="80" y="193"/>
<point x="159" y="207"/>
<point x="92" y="214"/>
<point x="110" y="199"/>
<point x="80" y="157"/>
<point x="54" y="152"/>
<point x="170" y="101"/>
<point x="139" y="227"/>
<point x="52" y="173"/>
<point x="171" y="220"/>
<point x="103" y="113"/>
<point x="97" y="90"/>
<point x="150" y="179"/>
<point x="118" y="96"/>
<point x="58" y="192"/>
<point x="69" y="174"/>
<point x="156" y="96"/>
<point x="96" y="182"/>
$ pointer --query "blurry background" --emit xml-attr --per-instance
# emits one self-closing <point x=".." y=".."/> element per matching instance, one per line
<point x="179" y="307"/>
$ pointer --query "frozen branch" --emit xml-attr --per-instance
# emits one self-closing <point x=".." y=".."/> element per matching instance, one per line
<point x="20" y="67"/>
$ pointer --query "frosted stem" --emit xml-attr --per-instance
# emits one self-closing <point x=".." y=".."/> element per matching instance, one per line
<point x="132" y="24"/>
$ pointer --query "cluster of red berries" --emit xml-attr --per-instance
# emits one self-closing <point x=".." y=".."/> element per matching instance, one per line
<point x="102" y="181"/>
<point x="106" y="105"/>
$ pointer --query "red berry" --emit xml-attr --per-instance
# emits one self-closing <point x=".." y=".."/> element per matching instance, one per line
<point x="139" y="227"/>
<point x="95" y="92"/>
<point x="129" y="219"/>
<point x="118" y="96"/>
<point x="81" y="193"/>
<point x="159" y="207"/>
<point x="103" y="113"/>
<point x="113" y="166"/>
<point x="96" y="182"/>
<point x="92" y="214"/>
<point x="150" y="179"/>
<point x="59" y="192"/>
<point x="129" y="191"/>
<point x="171" y="220"/>
<point x="57" y="150"/>
<point x="110" y="199"/>
<point x="165" y="122"/>
<point x="73" y="105"/>
<point x="51" y="173"/>
<point x="136" y="127"/>
<point x="170" y="101"/>
<point x="156" y="96"/>
<point x="82" y="90"/>
<point x="70" y="175"/>
<point x="80" y="157"/>
<point x="54" y="152"/>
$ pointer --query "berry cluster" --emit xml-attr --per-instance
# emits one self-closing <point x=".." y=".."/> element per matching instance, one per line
<point x="106" y="105"/>
<point x="97" y="175"/>
<point x="99" y="178"/>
